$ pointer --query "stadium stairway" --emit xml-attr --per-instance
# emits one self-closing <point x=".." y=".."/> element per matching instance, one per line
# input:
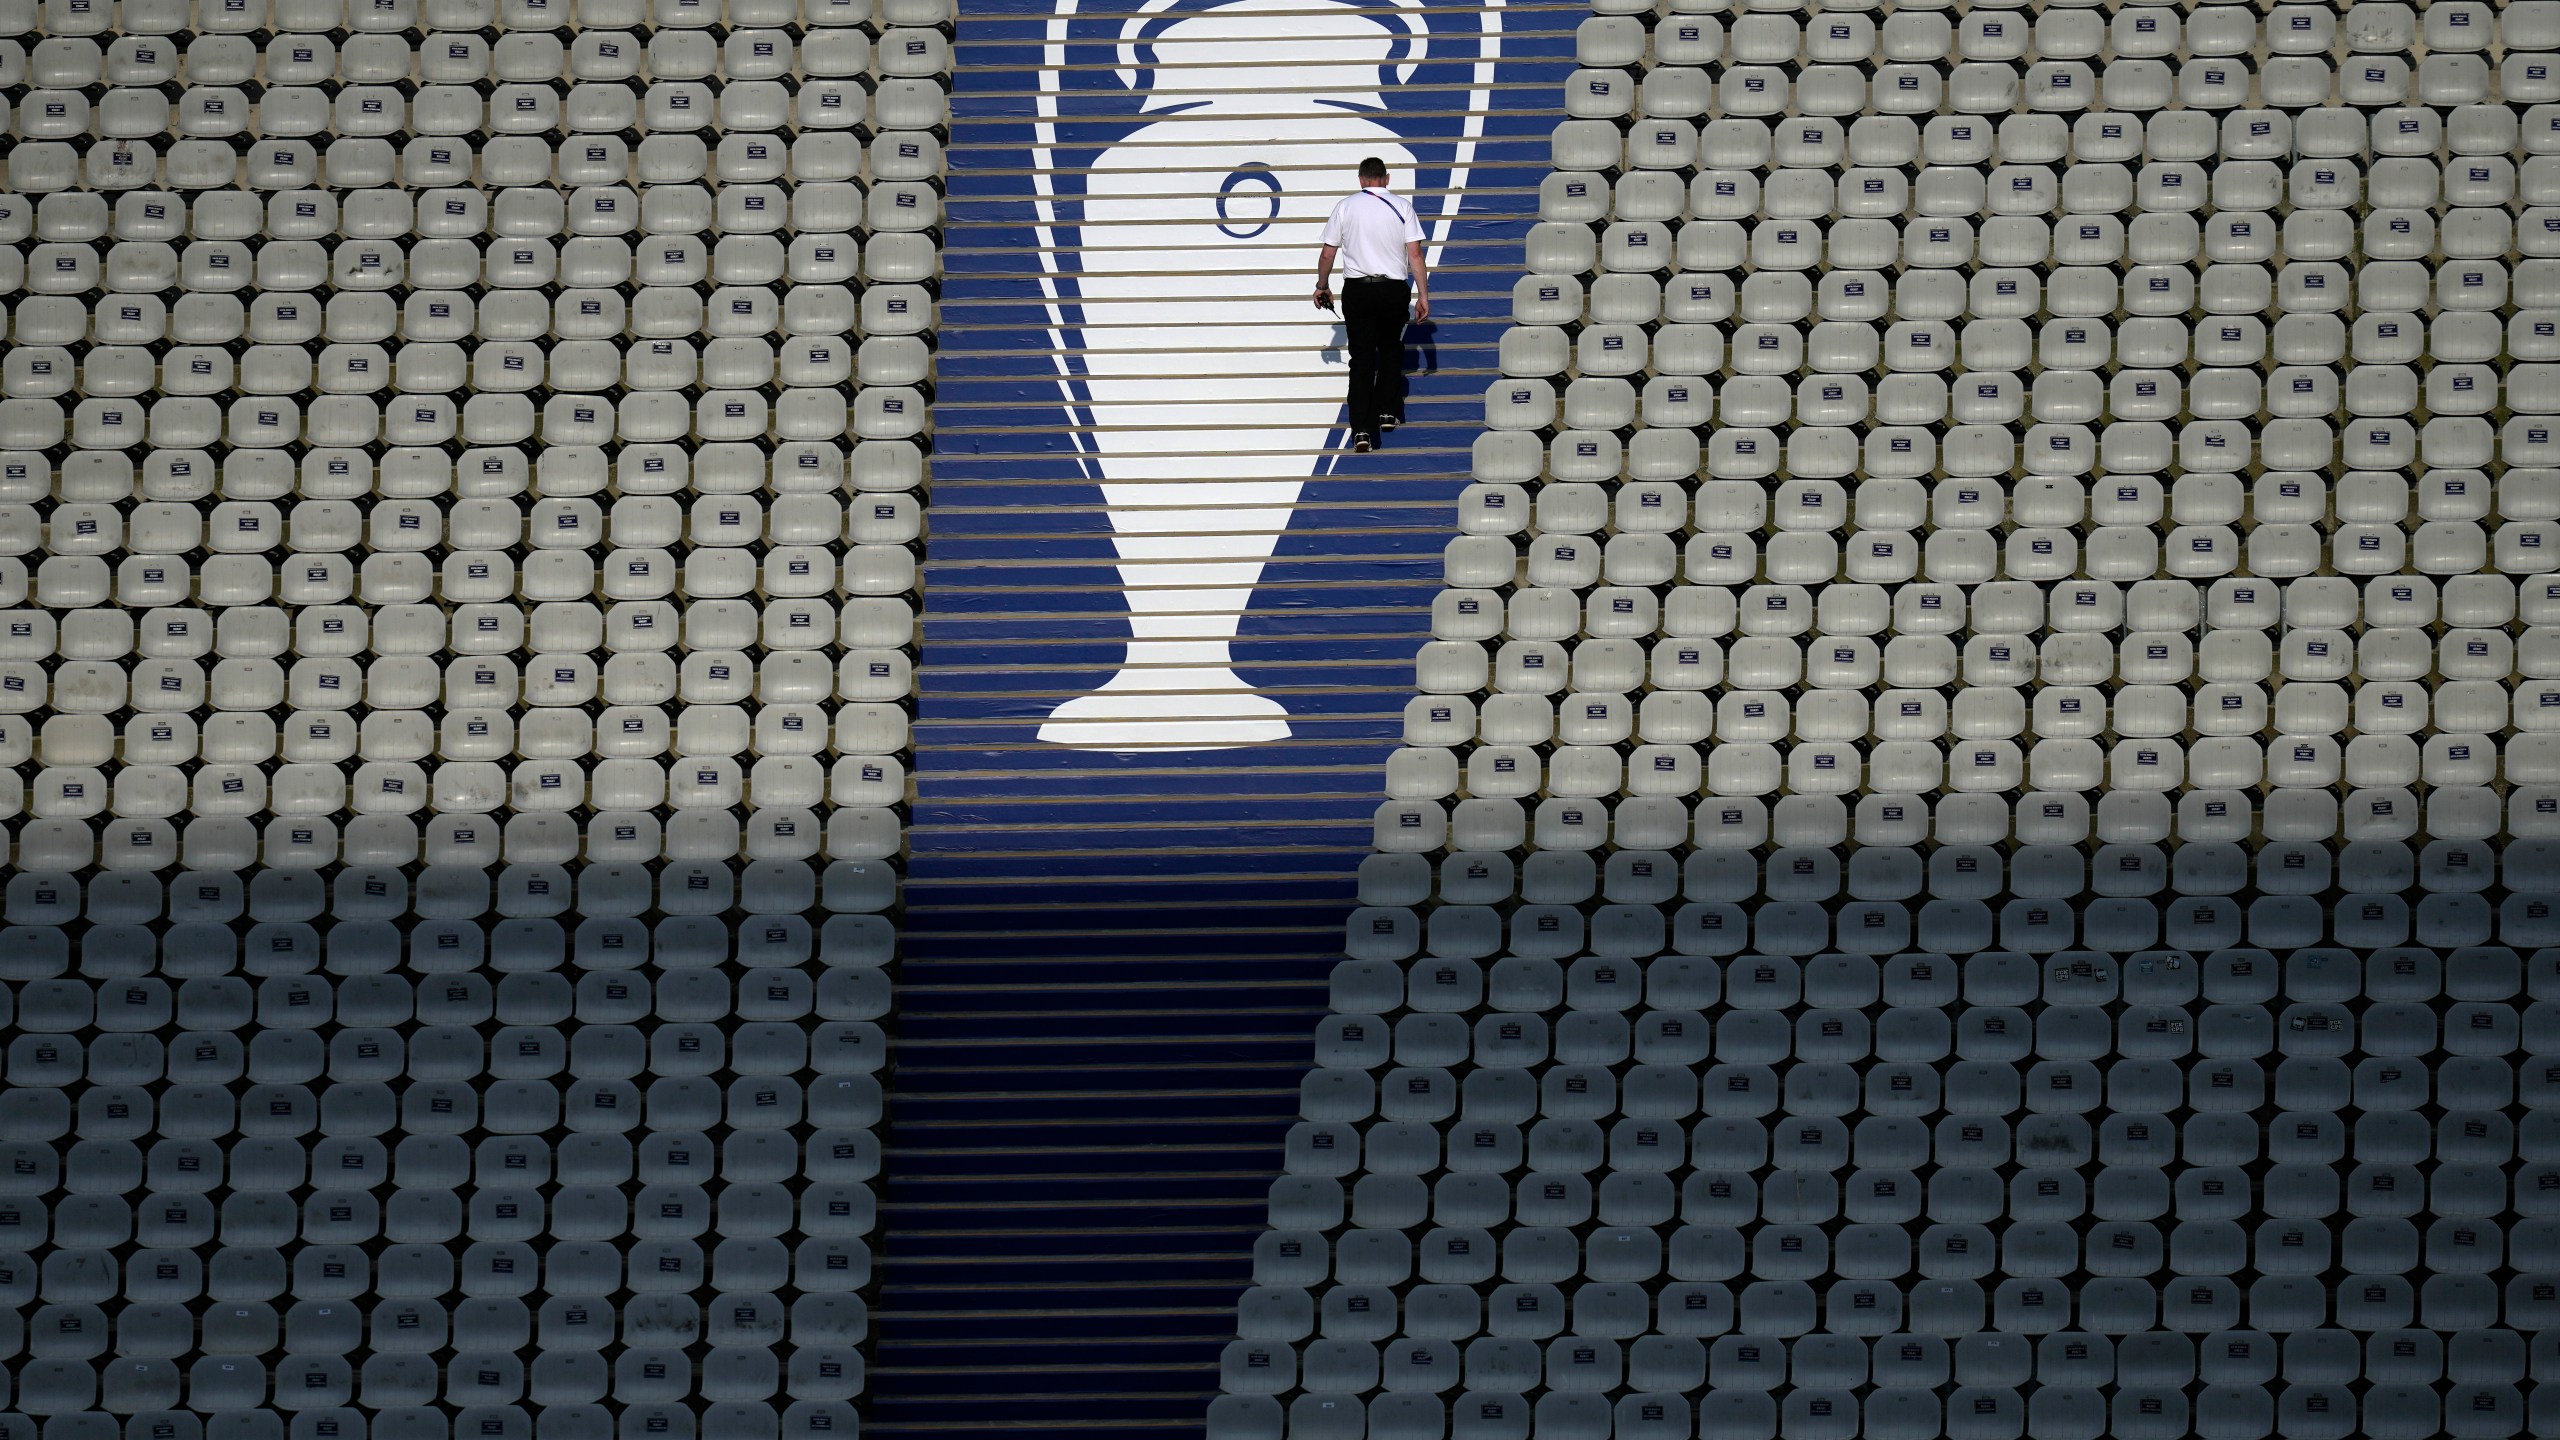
<point x="1112" y="960"/>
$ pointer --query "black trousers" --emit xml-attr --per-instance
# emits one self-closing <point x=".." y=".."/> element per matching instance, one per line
<point x="1373" y="314"/>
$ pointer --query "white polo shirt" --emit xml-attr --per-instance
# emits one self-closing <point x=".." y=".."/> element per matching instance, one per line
<point x="1371" y="227"/>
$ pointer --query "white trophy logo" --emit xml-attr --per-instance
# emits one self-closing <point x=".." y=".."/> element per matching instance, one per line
<point x="1178" y="249"/>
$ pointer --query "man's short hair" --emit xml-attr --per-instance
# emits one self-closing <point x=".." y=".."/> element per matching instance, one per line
<point x="1373" y="168"/>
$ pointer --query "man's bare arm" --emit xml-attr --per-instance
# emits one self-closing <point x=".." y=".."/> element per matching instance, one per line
<point x="1324" y="275"/>
<point x="1421" y="281"/>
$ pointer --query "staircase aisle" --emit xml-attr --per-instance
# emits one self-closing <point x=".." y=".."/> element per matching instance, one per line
<point x="1114" y="960"/>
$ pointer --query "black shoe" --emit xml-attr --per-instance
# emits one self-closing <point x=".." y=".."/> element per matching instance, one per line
<point x="1363" y="444"/>
<point x="1389" y="423"/>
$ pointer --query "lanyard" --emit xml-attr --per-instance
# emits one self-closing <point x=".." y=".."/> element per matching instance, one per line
<point x="1390" y="204"/>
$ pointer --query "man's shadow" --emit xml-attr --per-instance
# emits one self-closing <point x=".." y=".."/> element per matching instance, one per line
<point x="1421" y="347"/>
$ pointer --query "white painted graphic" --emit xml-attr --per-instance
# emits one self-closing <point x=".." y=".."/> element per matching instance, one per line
<point x="1180" y="248"/>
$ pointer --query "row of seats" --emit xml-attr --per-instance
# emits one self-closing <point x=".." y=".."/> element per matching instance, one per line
<point x="149" y="249"/>
<point x="1695" y="1343"/>
<point x="474" y="472"/>
<point x="1668" y="494"/>
<point x="605" y="1000"/>
<point x="390" y="238"/>
<point x="1883" y="1187"/>
<point x="737" y="365"/>
<point x="298" y="44"/>
<point x="2051" y="863"/>
<point x="2026" y="162"/>
<point x="229" y="1419"/>
<point x="1668" y="1090"/>
<point x="252" y="577"/>
<point x="47" y="167"/>
<point x="468" y="787"/>
<point x="421" y="1324"/>
<point x="605" y="894"/>
<point x="1772" y="1313"/>
<point x="851" y="947"/>
<point x="1613" y="665"/>
<point x="1972" y="150"/>
<point x="2113" y="554"/>
<point x="300" y="52"/>
<point x="2313" y="814"/>
<point x="1807" y="204"/>
<point x="323" y="630"/>
<point x="2006" y="979"/>
<point x="1979" y="89"/>
<point x="528" y="19"/>
<point x="1670" y="1044"/>
<point x="1992" y="450"/>
<point x="1944" y="559"/>
<point x="2473" y="629"/>
<point x="501" y="1209"/>
<point x="255" y="1155"/>
<point x="358" y="1107"/>
<point x="2474" y="626"/>
<point x="2003" y="346"/>
<point x="121" y="994"/>
<point x="476" y="1380"/>
<point x="801" y="429"/>
<point x="1754" y="757"/>
<point x="2071" y="724"/>
<point x="356" y="1110"/>
<point x="1905" y="744"/>
<point x="310" y="977"/>
<point x="1827" y="758"/>
<point x="2313" y="1412"/>
<point x="84" y="740"/>
<point x="896" y="304"/>
<point x="78" y="740"/>
<point x="2086" y="30"/>
<point x="1916" y="439"/>
<point x="323" y="526"/>
<point x="212" y="107"/>
<point x="1641" y="202"/>
<point x="588" y="203"/>
<point x="604" y="1056"/>
<point x="2310" y="283"/>
<point x="1986" y="977"/>
<point x="213" y="167"/>
<point x="1395" y="934"/>
<point x="1924" y="348"/>
<point x="256" y="683"/>
<point x="731" y="364"/>
<point x="130" y="845"/>
<point x="817" y="414"/>
<point x="1963" y="1195"/>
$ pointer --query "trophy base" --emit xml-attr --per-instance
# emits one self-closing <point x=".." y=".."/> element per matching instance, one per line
<point x="1178" y="710"/>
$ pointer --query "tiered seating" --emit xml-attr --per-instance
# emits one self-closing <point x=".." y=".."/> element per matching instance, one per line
<point x="1975" y="855"/>
<point x="461" y="466"/>
<point x="489" y="401"/>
